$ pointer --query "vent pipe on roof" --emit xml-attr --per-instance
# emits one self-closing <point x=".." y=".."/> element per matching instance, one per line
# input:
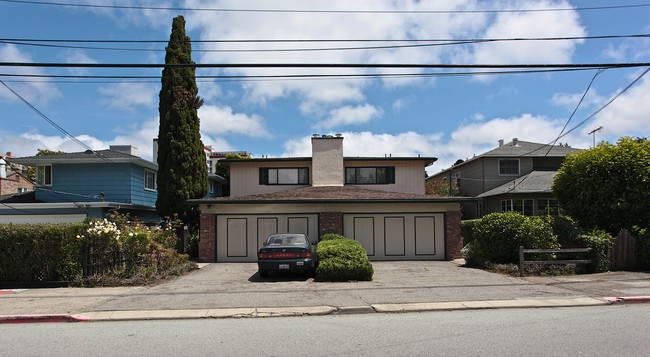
<point x="500" y="142"/>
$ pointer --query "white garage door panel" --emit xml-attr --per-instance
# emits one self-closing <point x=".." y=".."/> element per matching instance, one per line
<point x="425" y="232"/>
<point x="418" y="236"/>
<point x="239" y="237"/>
<point x="364" y="233"/>
<point x="394" y="236"/>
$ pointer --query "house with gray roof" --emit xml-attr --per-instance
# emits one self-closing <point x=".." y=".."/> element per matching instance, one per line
<point x="515" y="176"/>
<point x="378" y="201"/>
<point x="71" y="187"/>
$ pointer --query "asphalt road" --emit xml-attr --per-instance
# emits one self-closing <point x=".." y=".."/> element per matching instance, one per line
<point x="617" y="330"/>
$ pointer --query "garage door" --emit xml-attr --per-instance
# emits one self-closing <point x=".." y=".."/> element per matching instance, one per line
<point x="418" y="236"/>
<point x="240" y="236"/>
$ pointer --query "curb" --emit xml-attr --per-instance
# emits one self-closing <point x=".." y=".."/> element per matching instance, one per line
<point x="21" y="319"/>
<point x="628" y="299"/>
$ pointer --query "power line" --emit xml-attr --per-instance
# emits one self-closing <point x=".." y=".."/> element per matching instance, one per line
<point x="282" y="76"/>
<point x="415" y="43"/>
<point x="326" y="65"/>
<point x="300" y="11"/>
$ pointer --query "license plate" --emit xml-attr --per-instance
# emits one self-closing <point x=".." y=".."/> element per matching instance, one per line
<point x="283" y="266"/>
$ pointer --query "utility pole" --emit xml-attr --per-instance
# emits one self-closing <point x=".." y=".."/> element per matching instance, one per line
<point x="593" y="134"/>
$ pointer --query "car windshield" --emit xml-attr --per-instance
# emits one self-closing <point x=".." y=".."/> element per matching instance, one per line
<point x="287" y="240"/>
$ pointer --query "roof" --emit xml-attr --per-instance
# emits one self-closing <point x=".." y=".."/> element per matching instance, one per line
<point x="25" y="197"/>
<point x="332" y="194"/>
<point x="521" y="149"/>
<point x="428" y="159"/>
<point x="86" y="157"/>
<point x="534" y="182"/>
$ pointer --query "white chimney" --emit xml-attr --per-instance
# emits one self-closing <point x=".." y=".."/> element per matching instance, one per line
<point x="3" y="168"/>
<point x="125" y="149"/>
<point x="500" y="142"/>
<point x="155" y="150"/>
<point x="515" y="142"/>
<point x="327" y="160"/>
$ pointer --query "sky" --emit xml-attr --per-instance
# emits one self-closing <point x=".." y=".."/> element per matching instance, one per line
<point x="446" y="116"/>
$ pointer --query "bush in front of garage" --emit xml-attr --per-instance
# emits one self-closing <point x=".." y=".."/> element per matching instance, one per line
<point x="342" y="259"/>
<point x="331" y="236"/>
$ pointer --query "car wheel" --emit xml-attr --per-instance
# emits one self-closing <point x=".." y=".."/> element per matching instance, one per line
<point x="264" y="273"/>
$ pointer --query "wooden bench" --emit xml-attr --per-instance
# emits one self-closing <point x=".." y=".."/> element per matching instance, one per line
<point x="523" y="262"/>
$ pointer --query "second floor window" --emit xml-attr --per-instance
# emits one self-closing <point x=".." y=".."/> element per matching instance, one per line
<point x="284" y="176"/>
<point x="370" y="175"/>
<point x="149" y="180"/>
<point x="44" y="175"/>
<point x="509" y="167"/>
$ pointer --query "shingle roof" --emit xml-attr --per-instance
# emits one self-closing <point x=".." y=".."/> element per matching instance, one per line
<point x="89" y="156"/>
<point x="534" y="182"/>
<point x="332" y="194"/>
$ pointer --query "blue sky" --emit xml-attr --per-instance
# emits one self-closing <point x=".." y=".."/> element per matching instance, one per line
<point x="447" y="117"/>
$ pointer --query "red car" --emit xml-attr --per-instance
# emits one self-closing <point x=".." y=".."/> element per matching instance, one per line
<point x="287" y="252"/>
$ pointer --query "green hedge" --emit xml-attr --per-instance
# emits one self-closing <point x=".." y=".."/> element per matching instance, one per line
<point x="642" y="248"/>
<point x="342" y="260"/>
<point x="497" y="238"/>
<point x="467" y="230"/>
<point x="40" y="252"/>
<point x="331" y="236"/>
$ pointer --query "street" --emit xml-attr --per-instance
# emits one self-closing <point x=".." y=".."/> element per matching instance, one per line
<point x="582" y="331"/>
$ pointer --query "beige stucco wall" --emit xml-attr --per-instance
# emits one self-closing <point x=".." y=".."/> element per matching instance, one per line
<point x="263" y="208"/>
<point x="327" y="161"/>
<point x="245" y="177"/>
<point x="409" y="175"/>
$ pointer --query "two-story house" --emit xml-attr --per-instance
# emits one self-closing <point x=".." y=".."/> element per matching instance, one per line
<point x="378" y="201"/>
<point x="12" y="177"/>
<point x="73" y="186"/>
<point x="515" y="176"/>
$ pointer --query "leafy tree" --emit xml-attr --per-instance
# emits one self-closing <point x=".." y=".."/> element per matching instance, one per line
<point x="182" y="168"/>
<point x="441" y="188"/>
<point x="608" y="186"/>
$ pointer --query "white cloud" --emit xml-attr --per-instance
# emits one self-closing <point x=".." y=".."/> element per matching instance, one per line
<point x="32" y="91"/>
<point x="77" y="56"/>
<point x="571" y="100"/>
<point x="628" y="114"/>
<point x="531" y="24"/>
<point x="350" y="115"/>
<point x="126" y="96"/>
<point x="222" y="119"/>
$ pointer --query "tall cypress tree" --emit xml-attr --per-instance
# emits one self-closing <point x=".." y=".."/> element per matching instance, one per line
<point x="182" y="168"/>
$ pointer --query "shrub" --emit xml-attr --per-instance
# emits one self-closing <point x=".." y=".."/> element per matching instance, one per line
<point x="342" y="260"/>
<point x="566" y="229"/>
<point x="642" y="248"/>
<point x="497" y="237"/>
<point x="331" y="236"/>
<point x="40" y="252"/>
<point x="467" y="230"/>
<point x="600" y="243"/>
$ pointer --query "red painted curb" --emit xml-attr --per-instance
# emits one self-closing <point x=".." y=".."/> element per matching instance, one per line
<point x="628" y="299"/>
<point x="21" y="319"/>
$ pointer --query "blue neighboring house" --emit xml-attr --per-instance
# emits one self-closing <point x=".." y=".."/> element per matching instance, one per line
<point x="73" y="186"/>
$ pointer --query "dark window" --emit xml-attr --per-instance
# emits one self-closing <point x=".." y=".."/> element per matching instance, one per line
<point x="149" y="180"/>
<point x="370" y="175"/>
<point x="509" y="167"/>
<point x="44" y="175"/>
<point x="284" y="176"/>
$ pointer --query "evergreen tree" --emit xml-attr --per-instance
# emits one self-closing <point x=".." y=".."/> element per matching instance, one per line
<point x="182" y="168"/>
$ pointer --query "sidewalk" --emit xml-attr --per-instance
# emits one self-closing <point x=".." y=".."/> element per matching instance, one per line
<point x="235" y="290"/>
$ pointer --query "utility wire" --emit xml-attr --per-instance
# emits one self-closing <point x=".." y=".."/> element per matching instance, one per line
<point x="299" y="11"/>
<point x="418" y="43"/>
<point x="323" y="65"/>
<point x="284" y="77"/>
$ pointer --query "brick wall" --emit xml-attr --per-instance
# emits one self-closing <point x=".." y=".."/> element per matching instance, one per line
<point x="454" y="238"/>
<point x="330" y="222"/>
<point x="8" y="186"/>
<point x="207" y="238"/>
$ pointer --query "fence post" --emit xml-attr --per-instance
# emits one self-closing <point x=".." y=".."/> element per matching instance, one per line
<point x="521" y="260"/>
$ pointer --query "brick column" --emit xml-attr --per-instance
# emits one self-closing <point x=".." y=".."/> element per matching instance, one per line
<point x="207" y="238"/>
<point x="330" y="222"/>
<point x="454" y="238"/>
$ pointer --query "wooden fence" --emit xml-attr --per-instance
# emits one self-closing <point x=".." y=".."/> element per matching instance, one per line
<point x="523" y="262"/>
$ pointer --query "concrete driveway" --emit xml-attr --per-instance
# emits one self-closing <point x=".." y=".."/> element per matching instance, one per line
<point x="237" y="285"/>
